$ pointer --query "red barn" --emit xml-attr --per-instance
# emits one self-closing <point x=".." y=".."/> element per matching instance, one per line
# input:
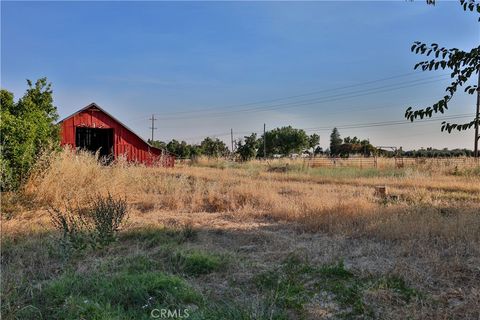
<point x="94" y="129"/>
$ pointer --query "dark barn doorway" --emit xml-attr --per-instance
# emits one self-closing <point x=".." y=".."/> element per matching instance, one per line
<point x="93" y="139"/>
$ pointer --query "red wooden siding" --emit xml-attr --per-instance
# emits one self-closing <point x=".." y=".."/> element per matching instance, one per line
<point x="126" y="143"/>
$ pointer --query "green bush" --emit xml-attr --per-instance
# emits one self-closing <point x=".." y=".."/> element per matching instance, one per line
<point x="27" y="128"/>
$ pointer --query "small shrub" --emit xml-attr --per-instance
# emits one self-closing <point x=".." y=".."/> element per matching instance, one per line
<point x="107" y="215"/>
<point x="94" y="225"/>
<point x="75" y="227"/>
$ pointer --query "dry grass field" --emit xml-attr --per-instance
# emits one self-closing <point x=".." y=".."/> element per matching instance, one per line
<point x="248" y="241"/>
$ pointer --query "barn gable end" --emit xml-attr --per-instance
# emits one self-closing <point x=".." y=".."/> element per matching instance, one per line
<point x="92" y="126"/>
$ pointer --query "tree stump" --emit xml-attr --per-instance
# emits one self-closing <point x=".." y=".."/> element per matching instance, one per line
<point x="381" y="191"/>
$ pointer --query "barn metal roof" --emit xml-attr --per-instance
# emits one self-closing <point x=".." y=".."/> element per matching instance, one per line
<point x="94" y="105"/>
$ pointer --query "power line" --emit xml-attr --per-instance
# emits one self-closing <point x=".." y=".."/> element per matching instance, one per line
<point x="203" y="110"/>
<point x="304" y="94"/>
<point x="317" y="99"/>
<point x="300" y="103"/>
<point x="340" y="110"/>
<point x="389" y="123"/>
<point x="352" y="125"/>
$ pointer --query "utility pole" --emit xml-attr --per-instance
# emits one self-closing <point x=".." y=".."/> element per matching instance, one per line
<point x="319" y="143"/>
<point x="153" y="124"/>
<point x="477" y="119"/>
<point x="231" y="137"/>
<point x="264" y="142"/>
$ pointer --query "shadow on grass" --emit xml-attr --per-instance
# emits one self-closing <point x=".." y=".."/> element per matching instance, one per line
<point x="161" y="268"/>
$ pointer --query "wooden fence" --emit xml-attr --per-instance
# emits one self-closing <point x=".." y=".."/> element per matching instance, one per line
<point x="398" y="162"/>
<point x="357" y="162"/>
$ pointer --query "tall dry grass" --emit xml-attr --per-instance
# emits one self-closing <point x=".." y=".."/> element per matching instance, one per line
<point x="422" y="204"/>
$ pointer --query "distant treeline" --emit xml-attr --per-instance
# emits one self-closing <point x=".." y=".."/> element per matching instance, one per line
<point x="430" y="153"/>
<point x="282" y="141"/>
<point x="208" y="147"/>
<point x="289" y="141"/>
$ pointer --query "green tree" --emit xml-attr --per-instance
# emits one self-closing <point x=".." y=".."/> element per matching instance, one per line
<point x="355" y="146"/>
<point x="158" y="144"/>
<point x="313" y="140"/>
<point x="180" y="149"/>
<point x="195" y="151"/>
<point x="214" y="148"/>
<point x="27" y="128"/>
<point x="285" y="140"/>
<point x="247" y="150"/>
<point x="318" y="150"/>
<point x="335" y="142"/>
<point x="462" y="65"/>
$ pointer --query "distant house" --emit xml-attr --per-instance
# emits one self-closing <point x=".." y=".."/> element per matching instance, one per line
<point x="94" y="129"/>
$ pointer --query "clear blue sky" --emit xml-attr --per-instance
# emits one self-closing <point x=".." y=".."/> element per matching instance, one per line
<point x="173" y="58"/>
